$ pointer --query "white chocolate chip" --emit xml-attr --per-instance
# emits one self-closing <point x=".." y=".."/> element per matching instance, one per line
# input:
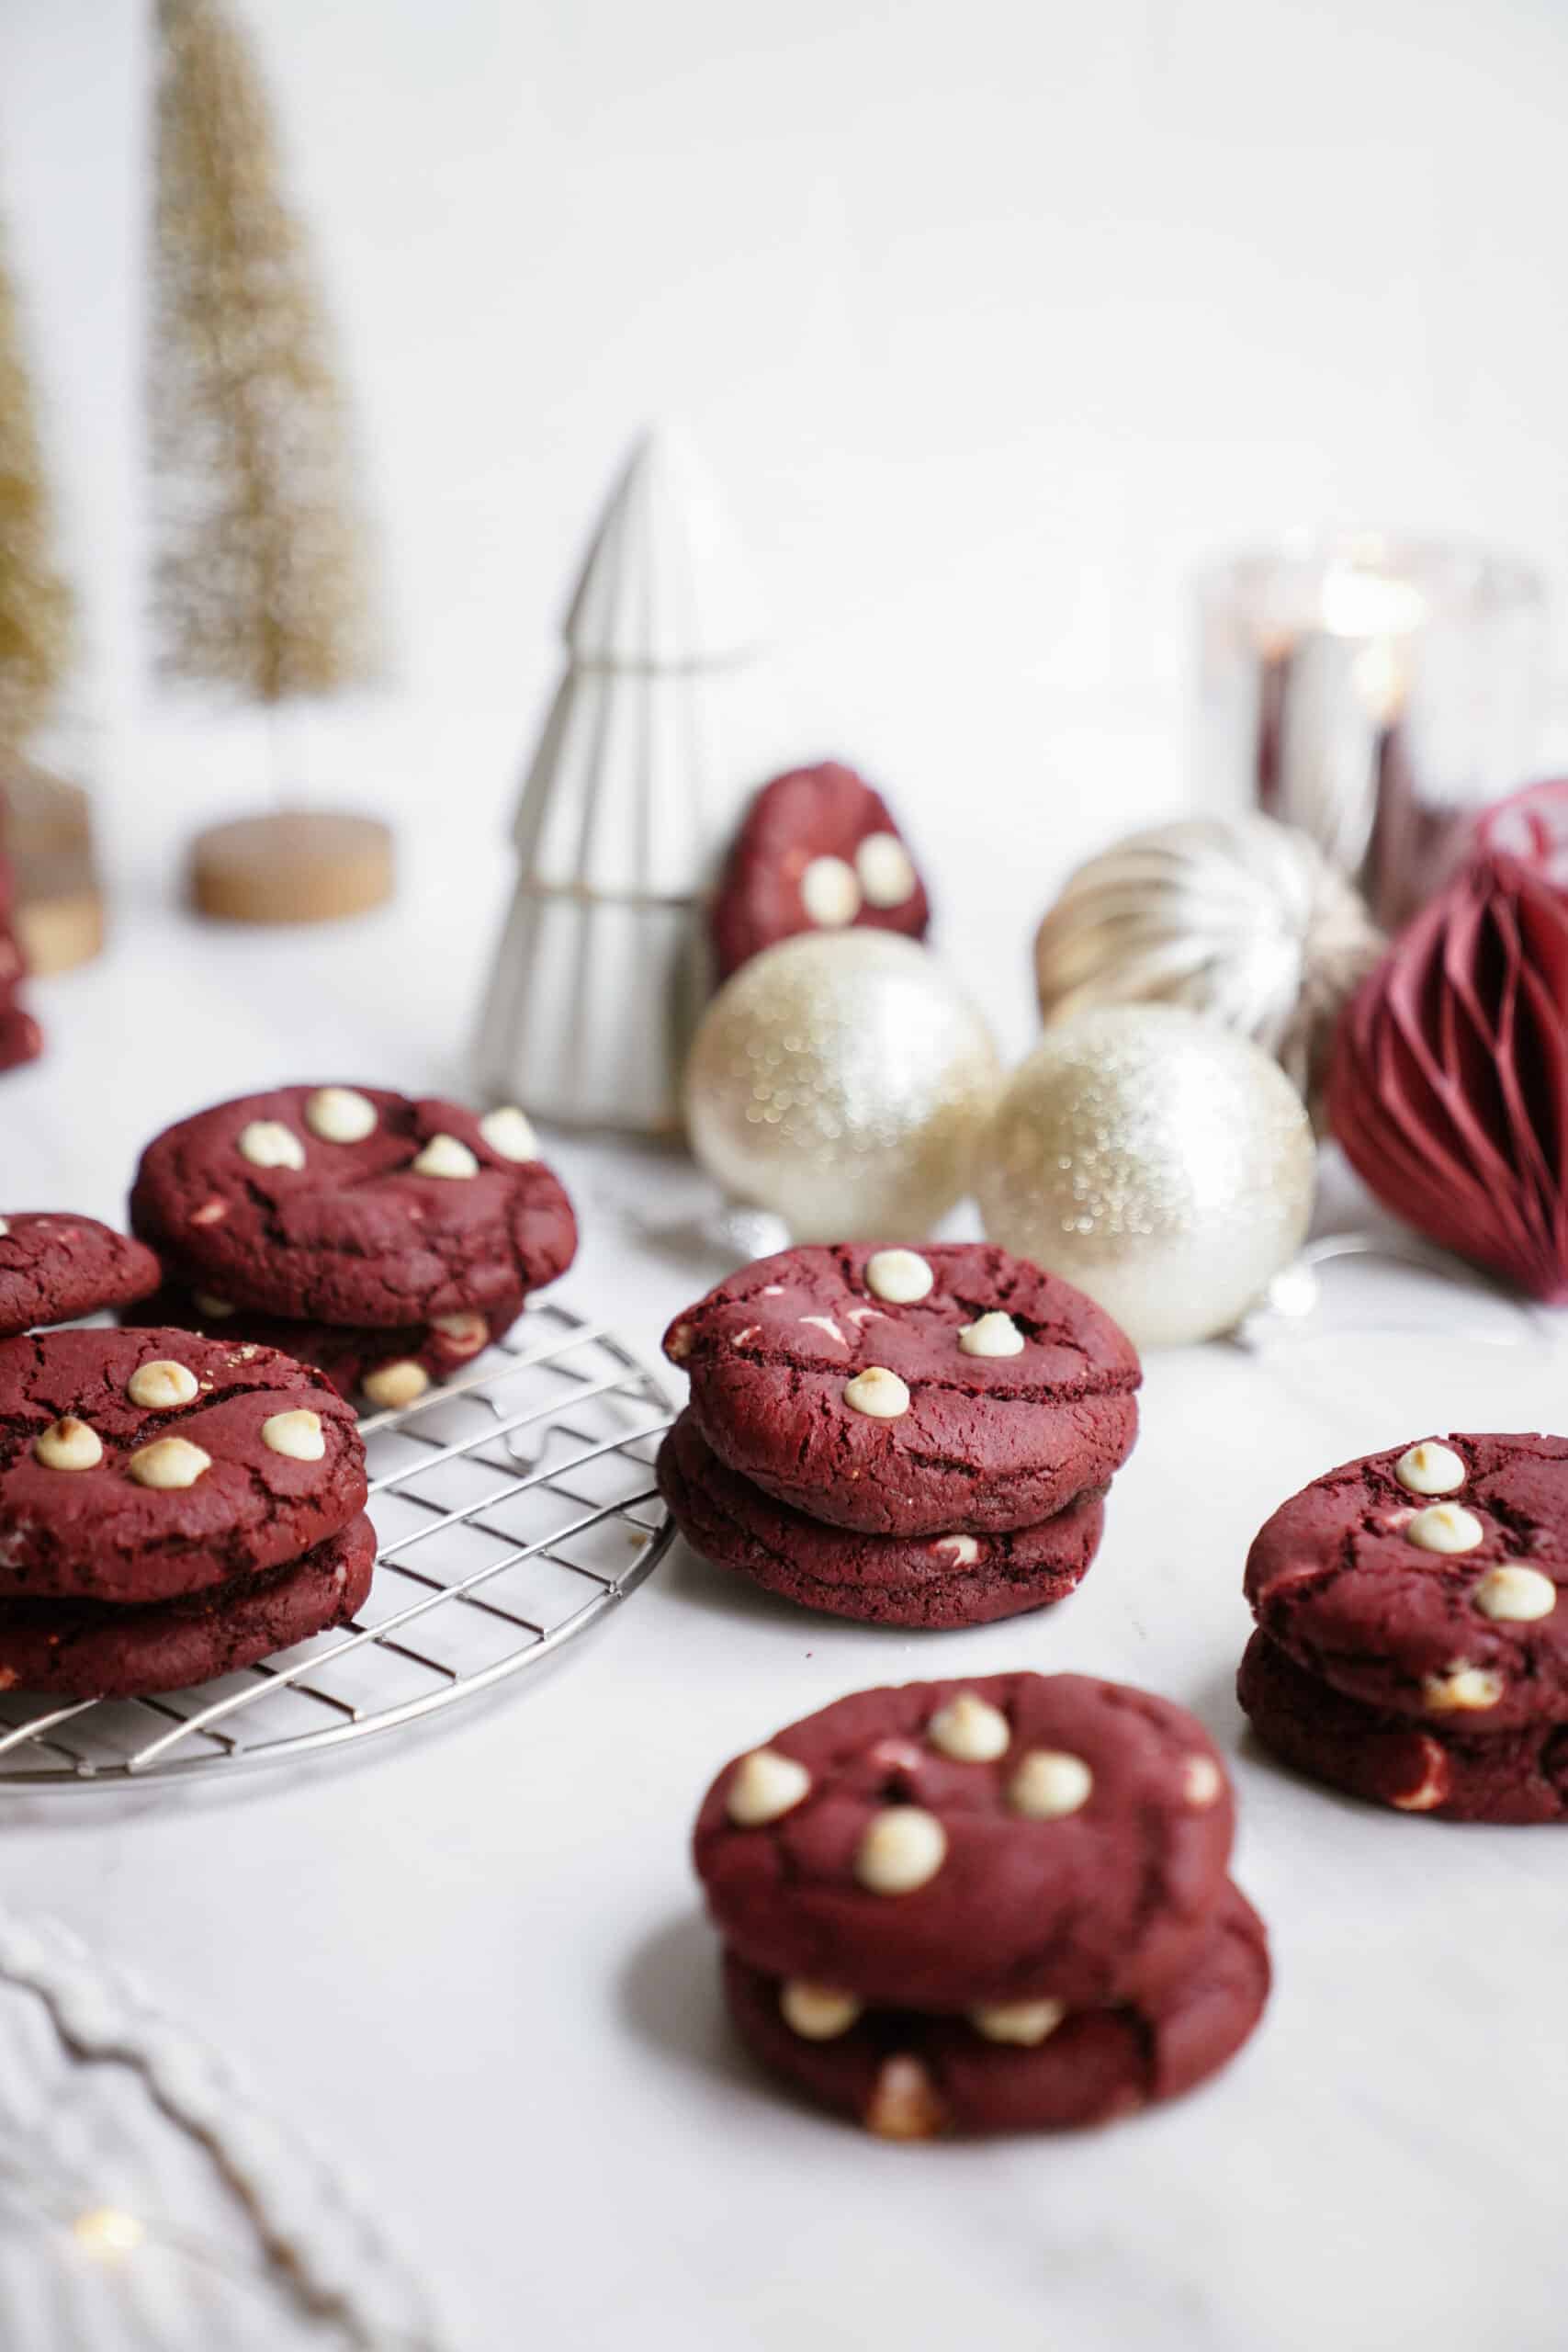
<point x="829" y="892"/>
<point x="1433" y="1786"/>
<point x="904" y="2104"/>
<point x="970" y="1729"/>
<point x="765" y="1786"/>
<point x="899" y="1276"/>
<point x="298" y="1434"/>
<point x="340" y="1115"/>
<point x="266" y="1143"/>
<point x="210" y="1213"/>
<point x="678" y="1346"/>
<point x="816" y="2012"/>
<point x="877" y="1393"/>
<point x="1027" y="2023"/>
<point x="823" y="1323"/>
<point x="398" y="1383"/>
<point x="962" y="1550"/>
<point x="168" y="1463"/>
<point x="1463" y="1689"/>
<point x="886" y="872"/>
<point x="4" y="1228"/>
<point x="1515" y="1595"/>
<point x="1429" y="1469"/>
<point x="214" y="1310"/>
<point x="1445" y="1527"/>
<point x="1049" y="1784"/>
<point x="1202" y="1782"/>
<point x="509" y="1132"/>
<point x="446" y="1156"/>
<point x="993" y="1335"/>
<point x="465" y="1334"/>
<point x="901" y="1849"/>
<point x="162" y="1384"/>
<point x="69" y="1444"/>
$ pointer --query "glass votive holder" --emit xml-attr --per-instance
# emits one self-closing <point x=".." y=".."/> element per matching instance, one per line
<point x="1376" y="692"/>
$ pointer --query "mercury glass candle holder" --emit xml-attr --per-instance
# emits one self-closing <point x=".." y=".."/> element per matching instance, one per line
<point x="1376" y="692"/>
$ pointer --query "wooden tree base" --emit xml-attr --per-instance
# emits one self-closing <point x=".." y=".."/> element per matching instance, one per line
<point x="301" y="865"/>
<point x="48" y="834"/>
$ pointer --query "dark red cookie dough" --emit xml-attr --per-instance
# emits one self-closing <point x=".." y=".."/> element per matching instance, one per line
<point x="97" y="1532"/>
<point x="911" y="2076"/>
<point x="347" y="1356"/>
<point x="1501" y="1776"/>
<point x="98" y="1650"/>
<point x="1454" y="1637"/>
<point x="988" y="1441"/>
<point x="21" y="1039"/>
<point x="811" y="814"/>
<point x="1105" y="1897"/>
<point x="354" y="1234"/>
<point x="54" y="1267"/>
<point x="914" y="1580"/>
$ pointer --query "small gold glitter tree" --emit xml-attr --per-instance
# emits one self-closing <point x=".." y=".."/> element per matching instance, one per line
<point x="260" y="577"/>
<point x="260" y="582"/>
<point x="35" y="605"/>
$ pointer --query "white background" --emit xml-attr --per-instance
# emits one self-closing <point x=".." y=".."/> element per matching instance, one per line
<point x="996" y="319"/>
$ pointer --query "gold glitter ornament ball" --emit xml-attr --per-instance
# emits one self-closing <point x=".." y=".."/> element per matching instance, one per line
<point x="842" y="1081"/>
<point x="1162" y="1163"/>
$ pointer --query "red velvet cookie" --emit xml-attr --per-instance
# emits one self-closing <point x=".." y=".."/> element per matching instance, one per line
<point x="351" y="1205"/>
<point x="54" y="1267"/>
<point x="1431" y="1580"/>
<point x="138" y="1464"/>
<point x="1506" y="1776"/>
<point x="936" y="1581"/>
<point x="951" y="1390"/>
<point x="86" y="1649"/>
<point x="818" y="851"/>
<point x="387" y="1368"/>
<point x="1022" y="2066"/>
<point x="1022" y="1837"/>
<point x="21" y="1039"/>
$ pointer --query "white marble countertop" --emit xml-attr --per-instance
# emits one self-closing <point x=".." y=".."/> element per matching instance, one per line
<point x="470" y="1956"/>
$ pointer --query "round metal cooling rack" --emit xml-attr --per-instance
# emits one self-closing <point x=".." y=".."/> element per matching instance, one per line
<point x="514" y="1509"/>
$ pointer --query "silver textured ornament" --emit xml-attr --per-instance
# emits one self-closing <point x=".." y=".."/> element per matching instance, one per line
<point x="1240" y="917"/>
<point x="1163" y="1164"/>
<point x="842" y="1080"/>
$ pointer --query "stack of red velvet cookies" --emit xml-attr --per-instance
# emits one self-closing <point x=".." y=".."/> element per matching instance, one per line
<point x="170" y="1508"/>
<point x="1000" y="1906"/>
<point x="909" y="1436"/>
<point x="382" y="1239"/>
<point x="1411" y="1647"/>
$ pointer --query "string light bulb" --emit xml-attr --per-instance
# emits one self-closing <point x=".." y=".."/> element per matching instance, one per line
<point x="107" y="2229"/>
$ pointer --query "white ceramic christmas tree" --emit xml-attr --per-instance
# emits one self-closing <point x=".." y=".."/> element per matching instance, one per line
<point x="656" y="734"/>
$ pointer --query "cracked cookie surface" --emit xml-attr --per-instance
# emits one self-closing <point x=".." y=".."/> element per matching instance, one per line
<point x="242" y="1481"/>
<point x="937" y="1845"/>
<point x="1428" y="1580"/>
<point x="912" y="1580"/>
<point x="376" y="1211"/>
<point x="986" y="1401"/>
<point x="906" y="2075"/>
<point x="55" y="1267"/>
<point x="386" y="1367"/>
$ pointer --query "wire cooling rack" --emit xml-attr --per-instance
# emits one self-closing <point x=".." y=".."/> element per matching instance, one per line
<point x="513" y="1507"/>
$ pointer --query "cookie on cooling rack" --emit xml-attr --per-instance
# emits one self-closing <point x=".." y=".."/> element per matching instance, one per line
<point x="55" y="1267"/>
<point x="951" y="1389"/>
<point x="913" y="1581"/>
<point x="388" y="1369"/>
<point x="135" y="1465"/>
<point x="1018" y="2066"/>
<point x="83" y="1650"/>
<point x="354" y="1206"/>
<point x="1428" y="1580"/>
<point x="947" y="1845"/>
<point x="818" y="851"/>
